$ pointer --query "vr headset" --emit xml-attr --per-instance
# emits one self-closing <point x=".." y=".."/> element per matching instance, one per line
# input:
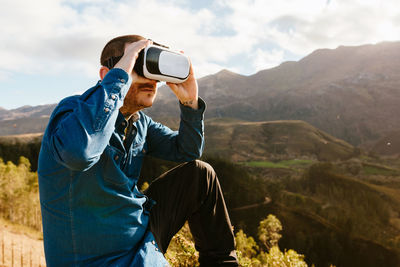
<point x="158" y="62"/>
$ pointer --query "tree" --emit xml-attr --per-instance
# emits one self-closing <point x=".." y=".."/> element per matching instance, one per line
<point x="250" y="254"/>
<point x="247" y="245"/>
<point x="268" y="231"/>
<point x="19" y="197"/>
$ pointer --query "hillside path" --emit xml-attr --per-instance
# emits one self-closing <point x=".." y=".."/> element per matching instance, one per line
<point x="266" y="201"/>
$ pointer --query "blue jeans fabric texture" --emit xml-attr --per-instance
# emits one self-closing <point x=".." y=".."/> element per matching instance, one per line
<point x="93" y="213"/>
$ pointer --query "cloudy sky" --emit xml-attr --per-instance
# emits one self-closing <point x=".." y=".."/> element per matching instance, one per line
<point x="50" y="49"/>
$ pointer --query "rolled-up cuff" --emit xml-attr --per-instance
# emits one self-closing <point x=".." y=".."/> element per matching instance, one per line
<point x="189" y="114"/>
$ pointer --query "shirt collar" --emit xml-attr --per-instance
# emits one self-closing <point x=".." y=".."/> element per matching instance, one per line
<point x="122" y="123"/>
<point x="134" y="117"/>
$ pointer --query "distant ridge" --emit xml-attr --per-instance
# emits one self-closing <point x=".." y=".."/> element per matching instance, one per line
<point x="244" y="141"/>
<point x="231" y="139"/>
<point x="351" y="92"/>
<point x="27" y="112"/>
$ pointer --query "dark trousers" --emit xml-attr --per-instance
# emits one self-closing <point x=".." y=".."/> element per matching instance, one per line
<point x="191" y="192"/>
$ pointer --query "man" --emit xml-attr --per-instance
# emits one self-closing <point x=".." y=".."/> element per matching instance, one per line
<point x="90" y="160"/>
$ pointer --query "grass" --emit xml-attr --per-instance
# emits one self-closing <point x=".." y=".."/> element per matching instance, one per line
<point x="371" y="169"/>
<point x="284" y="164"/>
<point x="21" y="229"/>
<point x="20" y="245"/>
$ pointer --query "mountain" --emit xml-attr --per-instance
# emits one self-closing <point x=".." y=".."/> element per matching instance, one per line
<point x="42" y="111"/>
<point x="230" y="139"/>
<point x="23" y="126"/>
<point x="3" y="112"/>
<point x="259" y="141"/>
<point x="389" y="145"/>
<point x="350" y="92"/>
<point x="25" y="120"/>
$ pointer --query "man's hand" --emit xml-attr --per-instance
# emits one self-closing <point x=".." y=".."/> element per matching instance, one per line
<point x="187" y="92"/>
<point x="127" y="62"/>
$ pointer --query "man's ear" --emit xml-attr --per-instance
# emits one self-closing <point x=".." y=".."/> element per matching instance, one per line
<point x="103" y="71"/>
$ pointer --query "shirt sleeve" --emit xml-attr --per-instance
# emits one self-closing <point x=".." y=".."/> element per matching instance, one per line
<point x="81" y="127"/>
<point x="183" y="145"/>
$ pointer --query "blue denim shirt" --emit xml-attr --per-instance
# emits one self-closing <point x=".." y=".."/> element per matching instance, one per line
<point x="93" y="213"/>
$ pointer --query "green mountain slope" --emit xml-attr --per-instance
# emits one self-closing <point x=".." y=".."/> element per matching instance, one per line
<point x="245" y="141"/>
<point x="351" y="93"/>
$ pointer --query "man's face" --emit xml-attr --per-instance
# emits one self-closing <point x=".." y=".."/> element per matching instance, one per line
<point x="141" y="93"/>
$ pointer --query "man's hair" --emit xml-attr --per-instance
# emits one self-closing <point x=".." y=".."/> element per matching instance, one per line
<point x="115" y="48"/>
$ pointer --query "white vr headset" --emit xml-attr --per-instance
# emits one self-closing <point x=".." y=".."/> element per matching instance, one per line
<point x="160" y="63"/>
<point x="157" y="62"/>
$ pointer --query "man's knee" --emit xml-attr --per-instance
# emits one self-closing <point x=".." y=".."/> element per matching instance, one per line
<point x="202" y="167"/>
<point x="204" y="175"/>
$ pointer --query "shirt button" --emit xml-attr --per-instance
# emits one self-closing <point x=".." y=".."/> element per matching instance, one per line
<point x="153" y="242"/>
<point x="113" y="97"/>
<point x="106" y="110"/>
<point x="122" y="80"/>
<point x="156" y="249"/>
<point x="116" y="157"/>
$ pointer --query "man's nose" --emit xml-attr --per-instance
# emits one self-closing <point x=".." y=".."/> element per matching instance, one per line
<point x="154" y="82"/>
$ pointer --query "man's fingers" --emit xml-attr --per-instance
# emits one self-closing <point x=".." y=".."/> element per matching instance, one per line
<point x="131" y="53"/>
<point x="173" y="86"/>
<point x="136" y="47"/>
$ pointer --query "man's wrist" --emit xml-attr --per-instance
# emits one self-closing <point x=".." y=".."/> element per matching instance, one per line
<point x="194" y="103"/>
<point x="190" y="114"/>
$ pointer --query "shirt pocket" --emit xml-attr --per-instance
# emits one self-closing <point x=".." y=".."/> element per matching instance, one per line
<point x="112" y="172"/>
<point x="138" y="152"/>
<point x="139" y="149"/>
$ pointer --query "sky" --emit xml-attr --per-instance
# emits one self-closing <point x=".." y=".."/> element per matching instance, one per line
<point x="50" y="49"/>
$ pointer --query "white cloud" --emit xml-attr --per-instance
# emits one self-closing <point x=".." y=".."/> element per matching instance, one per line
<point x="266" y="59"/>
<point x="59" y="35"/>
<point x="303" y="26"/>
<point x="205" y="68"/>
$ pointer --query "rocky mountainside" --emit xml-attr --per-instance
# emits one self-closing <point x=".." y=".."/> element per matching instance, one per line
<point x="233" y="140"/>
<point x="276" y="140"/>
<point x="42" y="111"/>
<point x="389" y="145"/>
<point x="351" y="93"/>
<point x="25" y="120"/>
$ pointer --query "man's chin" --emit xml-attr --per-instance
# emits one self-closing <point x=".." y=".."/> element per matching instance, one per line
<point x="146" y="104"/>
<point x="148" y="100"/>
